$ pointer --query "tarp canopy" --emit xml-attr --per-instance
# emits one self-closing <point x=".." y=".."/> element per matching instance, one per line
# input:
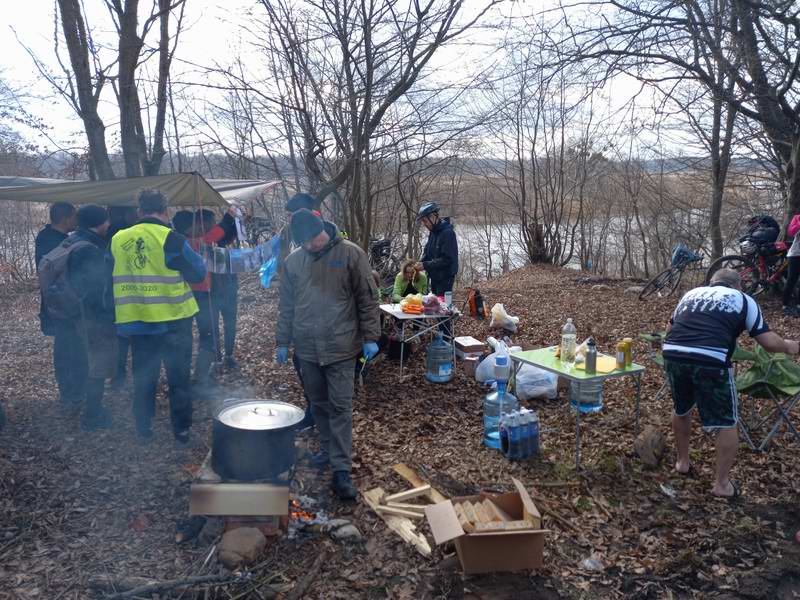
<point x="182" y="189"/>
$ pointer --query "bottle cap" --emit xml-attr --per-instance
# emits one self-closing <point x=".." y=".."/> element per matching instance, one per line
<point x="501" y="360"/>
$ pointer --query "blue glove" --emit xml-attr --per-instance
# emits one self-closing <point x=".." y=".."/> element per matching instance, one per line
<point x="282" y="355"/>
<point x="370" y="349"/>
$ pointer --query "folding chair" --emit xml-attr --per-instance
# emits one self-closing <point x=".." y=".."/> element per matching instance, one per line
<point x="772" y="377"/>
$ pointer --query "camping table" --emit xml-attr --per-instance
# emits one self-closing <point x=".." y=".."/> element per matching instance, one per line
<point x="545" y="358"/>
<point x="403" y="323"/>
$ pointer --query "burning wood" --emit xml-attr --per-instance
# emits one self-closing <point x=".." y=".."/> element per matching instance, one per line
<point x="298" y="513"/>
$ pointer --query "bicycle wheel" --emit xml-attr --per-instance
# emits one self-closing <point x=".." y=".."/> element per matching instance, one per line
<point x="751" y="282"/>
<point x="662" y="285"/>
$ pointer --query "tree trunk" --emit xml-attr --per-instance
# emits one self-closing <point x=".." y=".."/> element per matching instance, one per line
<point x="130" y="44"/>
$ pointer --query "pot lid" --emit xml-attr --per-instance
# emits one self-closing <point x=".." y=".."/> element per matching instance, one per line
<point x="260" y="415"/>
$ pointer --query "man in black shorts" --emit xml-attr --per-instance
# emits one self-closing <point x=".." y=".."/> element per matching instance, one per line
<point x="701" y="338"/>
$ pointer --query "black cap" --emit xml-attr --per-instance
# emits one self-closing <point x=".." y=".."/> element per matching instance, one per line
<point x="305" y="226"/>
<point x="91" y="215"/>
<point x="152" y="202"/>
<point x="298" y="201"/>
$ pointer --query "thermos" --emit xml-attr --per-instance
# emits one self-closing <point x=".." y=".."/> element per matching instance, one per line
<point x="591" y="357"/>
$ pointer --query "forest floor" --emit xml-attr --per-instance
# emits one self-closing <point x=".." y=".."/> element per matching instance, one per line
<point x="76" y="507"/>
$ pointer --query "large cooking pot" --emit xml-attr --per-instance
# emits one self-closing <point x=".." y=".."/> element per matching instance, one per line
<point x="254" y="439"/>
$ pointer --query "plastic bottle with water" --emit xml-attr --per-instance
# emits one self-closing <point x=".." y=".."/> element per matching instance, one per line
<point x="515" y="438"/>
<point x="568" y="341"/>
<point x="497" y="403"/>
<point x="533" y="433"/>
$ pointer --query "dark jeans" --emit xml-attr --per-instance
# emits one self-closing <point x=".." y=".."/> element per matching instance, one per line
<point x="791" y="282"/>
<point x="70" y="362"/>
<point x="123" y="345"/>
<point x="330" y="389"/>
<point x="94" y="396"/>
<point x="224" y="302"/>
<point x="174" y="348"/>
<point x="206" y="347"/>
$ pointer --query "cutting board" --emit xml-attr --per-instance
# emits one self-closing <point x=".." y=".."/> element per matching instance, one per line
<point x="605" y="364"/>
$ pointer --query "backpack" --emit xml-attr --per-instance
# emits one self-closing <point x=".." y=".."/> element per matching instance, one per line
<point x="477" y="309"/>
<point x="59" y="298"/>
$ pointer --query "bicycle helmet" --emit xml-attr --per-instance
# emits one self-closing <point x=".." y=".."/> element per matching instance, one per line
<point x="426" y="209"/>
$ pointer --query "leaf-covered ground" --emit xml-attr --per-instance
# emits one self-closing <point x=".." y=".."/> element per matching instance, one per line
<point x="78" y="507"/>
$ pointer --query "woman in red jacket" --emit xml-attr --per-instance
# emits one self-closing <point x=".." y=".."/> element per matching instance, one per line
<point x="790" y="304"/>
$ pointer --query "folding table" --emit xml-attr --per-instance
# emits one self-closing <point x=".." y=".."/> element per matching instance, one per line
<point x="545" y="358"/>
<point x="415" y="326"/>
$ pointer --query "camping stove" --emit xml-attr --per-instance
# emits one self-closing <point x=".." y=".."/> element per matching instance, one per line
<point x="263" y="504"/>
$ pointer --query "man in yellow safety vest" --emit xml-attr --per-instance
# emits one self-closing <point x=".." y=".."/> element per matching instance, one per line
<point x="154" y="307"/>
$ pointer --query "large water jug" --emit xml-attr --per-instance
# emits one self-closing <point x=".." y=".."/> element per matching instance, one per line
<point x="586" y="396"/>
<point x="439" y="361"/>
<point x="496" y="403"/>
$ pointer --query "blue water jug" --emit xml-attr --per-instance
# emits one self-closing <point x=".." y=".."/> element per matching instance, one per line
<point x="495" y="404"/>
<point x="586" y="396"/>
<point x="439" y="361"/>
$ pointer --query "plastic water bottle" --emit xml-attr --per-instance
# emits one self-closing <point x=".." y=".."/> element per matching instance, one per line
<point x="568" y="339"/>
<point x="533" y="438"/>
<point x="496" y="404"/>
<point x="586" y="396"/>
<point x="527" y="423"/>
<point x="514" y="437"/>
<point x="439" y="361"/>
<point x="501" y="368"/>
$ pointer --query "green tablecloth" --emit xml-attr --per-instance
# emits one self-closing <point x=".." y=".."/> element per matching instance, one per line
<point x="776" y="371"/>
<point x="545" y="358"/>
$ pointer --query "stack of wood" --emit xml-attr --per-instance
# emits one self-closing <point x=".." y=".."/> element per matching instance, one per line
<point x="485" y="516"/>
<point x="398" y="504"/>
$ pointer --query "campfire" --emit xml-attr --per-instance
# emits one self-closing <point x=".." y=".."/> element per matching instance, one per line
<point x="298" y="513"/>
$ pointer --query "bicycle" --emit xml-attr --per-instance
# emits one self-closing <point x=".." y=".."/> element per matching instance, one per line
<point x="666" y="282"/>
<point x="762" y="265"/>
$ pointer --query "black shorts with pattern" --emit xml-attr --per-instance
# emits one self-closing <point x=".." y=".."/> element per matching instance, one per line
<point x="711" y="389"/>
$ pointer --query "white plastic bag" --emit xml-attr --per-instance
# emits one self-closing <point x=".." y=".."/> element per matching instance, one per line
<point x="533" y="382"/>
<point x="485" y="370"/>
<point x="502" y="320"/>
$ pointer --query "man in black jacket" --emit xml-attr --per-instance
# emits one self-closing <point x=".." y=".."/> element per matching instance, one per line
<point x="89" y="272"/>
<point x="440" y="258"/>
<point x="62" y="222"/>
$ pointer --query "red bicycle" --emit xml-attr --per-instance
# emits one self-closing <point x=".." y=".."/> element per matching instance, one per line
<point x="761" y="265"/>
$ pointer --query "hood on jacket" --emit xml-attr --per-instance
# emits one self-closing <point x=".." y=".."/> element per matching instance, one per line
<point x="333" y="232"/>
<point x="442" y="225"/>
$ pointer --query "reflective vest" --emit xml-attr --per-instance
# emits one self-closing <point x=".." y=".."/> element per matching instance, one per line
<point x="145" y="289"/>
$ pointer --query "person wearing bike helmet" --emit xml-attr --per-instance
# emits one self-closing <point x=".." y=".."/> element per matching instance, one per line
<point x="440" y="258"/>
<point x="791" y="302"/>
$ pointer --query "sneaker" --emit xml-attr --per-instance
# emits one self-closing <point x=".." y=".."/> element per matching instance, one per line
<point x="320" y="460"/>
<point x="182" y="437"/>
<point x="230" y="363"/>
<point x="343" y="486"/>
<point x="100" y="420"/>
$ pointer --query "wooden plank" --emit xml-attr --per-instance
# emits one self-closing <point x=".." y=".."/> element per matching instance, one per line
<point x="399" y="512"/>
<point x="495" y="512"/>
<point x="503" y="526"/>
<point x="417" y="508"/>
<point x="400" y="525"/>
<point x="416" y="492"/>
<point x="411" y="477"/>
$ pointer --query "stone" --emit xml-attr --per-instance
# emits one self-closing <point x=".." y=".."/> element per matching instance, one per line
<point x="240" y="547"/>
<point x="347" y="533"/>
<point x="634" y="289"/>
<point x="334" y="524"/>
<point x="601" y="287"/>
<point x="650" y="445"/>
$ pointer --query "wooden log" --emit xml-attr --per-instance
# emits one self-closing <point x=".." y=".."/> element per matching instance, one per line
<point x="300" y="589"/>
<point x="462" y="519"/>
<point x="402" y="526"/>
<point x="481" y="514"/>
<point x="411" y="477"/>
<point x="399" y="512"/>
<point x="502" y="526"/>
<point x="408" y="494"/>
<point x="469" y="512"/>
<point x="417" y="508"/>
<point x="495" y="512"/>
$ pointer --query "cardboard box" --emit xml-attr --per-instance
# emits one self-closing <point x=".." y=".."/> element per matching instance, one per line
<point x="492" y="551"/>
<point x="469" y="345"/>
<point x="470" y="365"/>
<point x="460" y="354"/>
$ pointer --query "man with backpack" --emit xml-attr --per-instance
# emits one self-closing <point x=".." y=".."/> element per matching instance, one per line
<point x="154" y="307"/>
<point x="62" y="222"/>
<point x="75" y="279"/>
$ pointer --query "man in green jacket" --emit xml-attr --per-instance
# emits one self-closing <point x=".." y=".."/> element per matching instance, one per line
<point x="328" y="312"/>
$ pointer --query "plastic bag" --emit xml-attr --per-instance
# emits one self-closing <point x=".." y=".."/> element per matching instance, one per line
<point x="268" y="271"/>
<point x="485" y="370"/>
<point x="502" y="320"/>
<point x="532" y="382"/>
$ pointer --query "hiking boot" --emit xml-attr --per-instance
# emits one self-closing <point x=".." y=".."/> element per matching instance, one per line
<point x="343" y="486"/>
<point x="319" y="460"/>
<point x="183" y="437"/>
<point x="230" y="363"/>
<point x="307" y="422"/>
<point x="98" y="420"/>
